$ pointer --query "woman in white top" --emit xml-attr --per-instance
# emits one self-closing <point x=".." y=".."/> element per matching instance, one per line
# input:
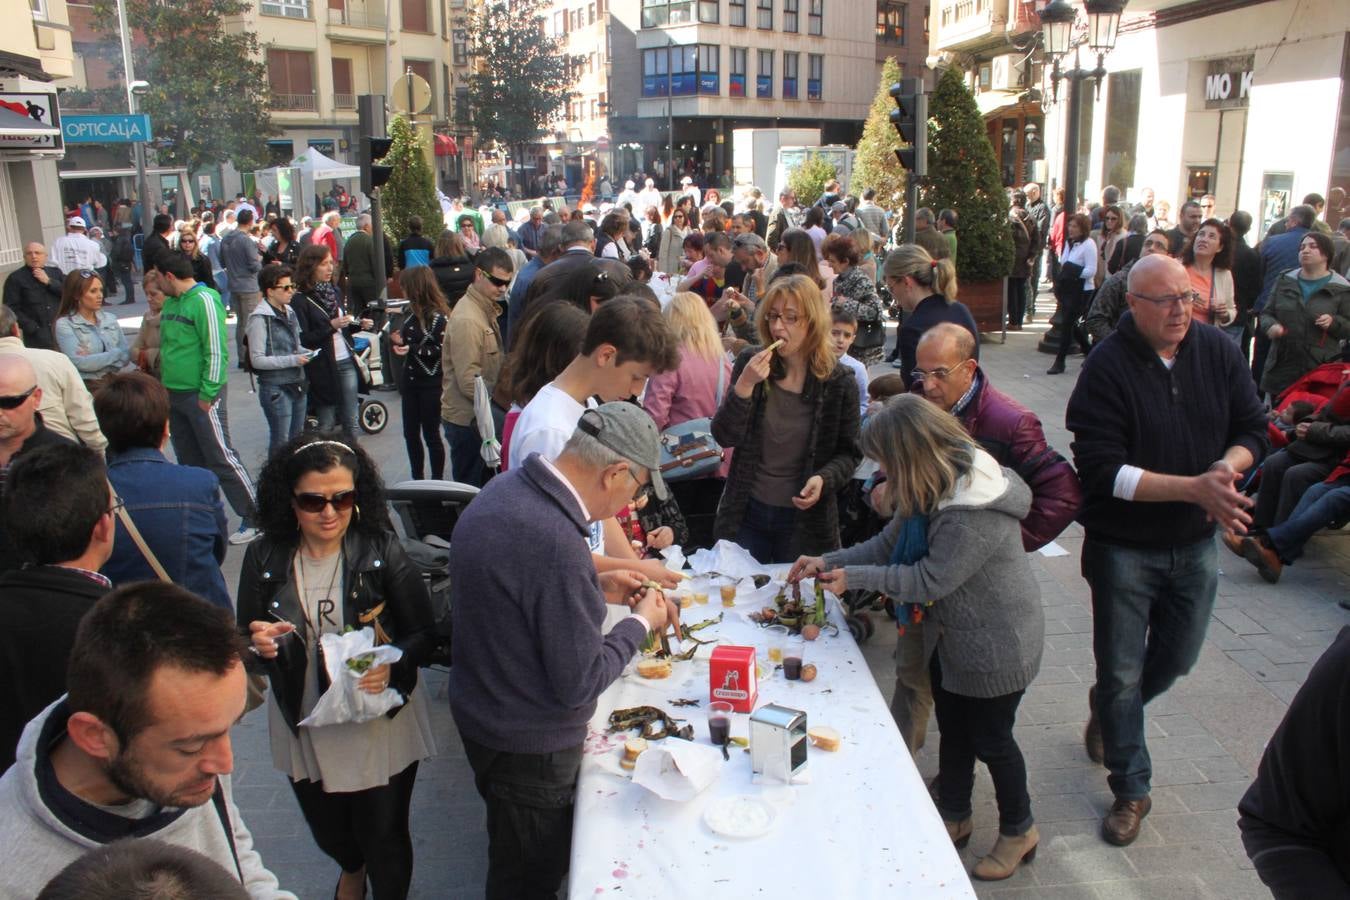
<point x="1073" y="286"/>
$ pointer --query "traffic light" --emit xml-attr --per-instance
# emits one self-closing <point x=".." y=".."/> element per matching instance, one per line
<point x="374" y="149"/>
<point x="910" y="118"/>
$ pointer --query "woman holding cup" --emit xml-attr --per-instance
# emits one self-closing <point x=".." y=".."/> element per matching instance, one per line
<point x="954" y="544"/>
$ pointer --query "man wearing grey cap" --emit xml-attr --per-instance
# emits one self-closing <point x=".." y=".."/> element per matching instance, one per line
<point x="845" y="222"/>
<point x="529" y="657"/>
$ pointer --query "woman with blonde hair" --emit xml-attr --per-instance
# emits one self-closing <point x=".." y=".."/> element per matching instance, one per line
<point x="201" y="265"/>
<point x="694" y="390"/>
<point x="926" y="289"/>
<point x="792" y="416"/>
<point x="954" y="544"/>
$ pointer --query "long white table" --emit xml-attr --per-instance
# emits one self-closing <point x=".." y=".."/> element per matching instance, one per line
<point x="863" y="826"/>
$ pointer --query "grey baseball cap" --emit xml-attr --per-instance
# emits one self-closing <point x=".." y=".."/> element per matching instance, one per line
<point x="629" y="431"/>
<point x="838" y="206"/>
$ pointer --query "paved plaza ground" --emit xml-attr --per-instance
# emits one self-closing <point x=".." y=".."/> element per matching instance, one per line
<point x="1205" y="736"/>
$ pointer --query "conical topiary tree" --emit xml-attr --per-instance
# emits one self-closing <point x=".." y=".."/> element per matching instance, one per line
<point x="963" y="175"/>
<point x="411" y="189"/>
<point x="874" y="162"/>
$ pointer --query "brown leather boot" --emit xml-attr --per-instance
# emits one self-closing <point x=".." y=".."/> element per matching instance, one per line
<point x="1232" y="541"/>
<point x="1122" y="823"/>
<point x="959" y="832"/>
<point x="1092" y="735"/>
<point x="1007" y="855"/>
<point x="1266" y="560"/>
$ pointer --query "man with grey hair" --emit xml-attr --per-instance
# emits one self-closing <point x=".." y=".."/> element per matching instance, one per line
<point x="1041" y="214"/>
<point x="537" y="622"/>
<point x="359" y="264"/>
<point x="752" y="254"/>
<point x="496" y="234"/>
<point x="242" y="260"/>
<point x="33" y="292"/>
<point x="64" y="402"/>
<point x="927" y="236"/>
<point x="786" y="215"/>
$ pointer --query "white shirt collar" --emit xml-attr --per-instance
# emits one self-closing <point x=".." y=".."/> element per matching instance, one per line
<point x="581" y="504"/>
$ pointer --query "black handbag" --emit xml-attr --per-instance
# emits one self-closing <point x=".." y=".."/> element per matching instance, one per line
<point x="870" y="335"/>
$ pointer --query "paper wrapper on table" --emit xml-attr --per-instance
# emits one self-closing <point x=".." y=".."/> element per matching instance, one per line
<point x="731" y="677"/>
<point x="727" y="558"/>
<point x="674" y="557"/>
<point x="677" y="770"/>
<point x="344" y="701"/>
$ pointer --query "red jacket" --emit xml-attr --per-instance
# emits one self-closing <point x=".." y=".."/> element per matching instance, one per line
<point x="1012" y="434"/>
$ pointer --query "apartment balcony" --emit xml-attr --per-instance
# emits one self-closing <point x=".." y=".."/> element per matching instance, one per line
<point x="306" y="103"/>
<point x="344" y="101"/>
<point x="969" y="24"/>
<point x="355" y="23"/>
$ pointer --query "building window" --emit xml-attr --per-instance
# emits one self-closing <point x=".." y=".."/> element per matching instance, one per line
<point x="291" y="9"/>
<point x="765" y="14"/>
<point x="891" y="22"/>
<point x="709" y="11"/>
<point x="709" y="63"/>
<point x="736" y="12"/>
<point x="416" y="16"/>
<point x="39" y="8"/>
<point x="815" y="23"/>
<point x="656" y="13"/>
<point x="427" y="70"/>
<point x="558" y="28"/>
<point x="764" y="78"/>
<point x="344" y="97"/>
<point x="462" y="114"/>
<point x="655" y="72"/>
<point x="790" y="75"/>
<point x="738" y="60"/>
<point x="815" y="76"/>
<point x="1122" y="125"/>
<point x="459" y="47"/>
<point x="290" y="78"/>
<point x="790" y="8"/>
<point x="684" y="70"/>
<point x="590" y="14"/>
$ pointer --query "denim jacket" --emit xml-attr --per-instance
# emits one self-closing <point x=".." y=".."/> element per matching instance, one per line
<point x="178" y="511"/>
<point x="96" y="350"/>
<point x="274" y="346"/>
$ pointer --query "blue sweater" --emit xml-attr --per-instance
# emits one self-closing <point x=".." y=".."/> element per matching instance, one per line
<point x="530" y="660"/>
<point x="1129" y="409"/>
<point x="932" y="310"/>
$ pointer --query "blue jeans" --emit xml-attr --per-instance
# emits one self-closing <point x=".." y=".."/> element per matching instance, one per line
<point x="466" y="457"/>
<point x="344" y="411"/>
<point x="283" y="406"/>
<point x="1319" y="506"/>
<point x="1150" y="609"/>
<point x="766" y="531"/>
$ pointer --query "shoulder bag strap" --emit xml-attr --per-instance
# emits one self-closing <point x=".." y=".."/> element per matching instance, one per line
<point x="125" y="518"/>
<point x="222" y="810"/>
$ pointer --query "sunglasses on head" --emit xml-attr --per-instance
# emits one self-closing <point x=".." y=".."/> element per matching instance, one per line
<point x="14" y="402"/>
<point x="314" y="503"/>
<point x="88" y="273"/>
<point x="499" y="282"/>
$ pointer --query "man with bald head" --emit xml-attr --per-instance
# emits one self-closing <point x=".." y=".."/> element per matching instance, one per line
<point x="1165" y="421"/>
<point x="21" y="429"/>
<point x="33" y="292"/>
<point x="947" y="375"/>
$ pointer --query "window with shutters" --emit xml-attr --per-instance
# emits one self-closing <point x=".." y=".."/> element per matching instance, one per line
<point x="290" y="77"/>
<point x="416" y="16"/>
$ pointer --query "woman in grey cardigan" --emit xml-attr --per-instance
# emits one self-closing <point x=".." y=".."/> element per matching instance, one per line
<point x="954" y="545"/>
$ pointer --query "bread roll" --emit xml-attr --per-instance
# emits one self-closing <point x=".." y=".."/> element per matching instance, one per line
<point x="653" y="668"/>
<point x="824" y="737"/>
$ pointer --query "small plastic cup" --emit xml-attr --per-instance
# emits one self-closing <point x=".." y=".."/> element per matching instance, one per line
<point x="794" y="655"/>
<point x="719" y="722"/>
<point x="701" y="599"/>
<point x="729" y="594"/>
<point x="778" y="639"/>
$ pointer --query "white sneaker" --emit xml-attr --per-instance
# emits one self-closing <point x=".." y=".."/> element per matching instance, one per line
<point x="244" y="535"/>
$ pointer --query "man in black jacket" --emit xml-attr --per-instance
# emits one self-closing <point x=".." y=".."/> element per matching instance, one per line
<point x="156" y="246"/>
<point x="1164" y="422"/>
<point x="1247" y="275"/>
<point x="578" y="242"/>
<point x="57" y="514"/>
<point x="34" y="294"/>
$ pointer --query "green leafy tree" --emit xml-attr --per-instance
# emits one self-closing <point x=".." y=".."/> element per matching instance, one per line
<point x="874" y="162"/>
<point x="411" y="189"/>
<point x="963" y="175"/>
<point x="808" y="179"/>
<point x="207" y="100"/>
<point x="523" y="75"/>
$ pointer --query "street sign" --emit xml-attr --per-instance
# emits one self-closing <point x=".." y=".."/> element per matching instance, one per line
<point x="411" y="94"/>
<point x="112" y="129"/>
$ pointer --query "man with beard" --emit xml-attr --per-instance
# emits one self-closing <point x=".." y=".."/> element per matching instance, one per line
<point x="138" y="747"/>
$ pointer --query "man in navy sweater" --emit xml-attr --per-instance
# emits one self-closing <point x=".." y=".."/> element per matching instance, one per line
<point x="1164" y="421"/>
<point x="530" y="659"/>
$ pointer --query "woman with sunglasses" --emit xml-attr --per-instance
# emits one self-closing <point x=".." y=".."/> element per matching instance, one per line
<point x="469" y="235"/>
<point x="328" y="559"/>
<point x="1109" y="241"/>
<point x="326" y="327"/>
<point x="87" y="333"/>
<point x="277" y="355"/>
<point x="201" y="264"/>
<point x="792" y="415"/>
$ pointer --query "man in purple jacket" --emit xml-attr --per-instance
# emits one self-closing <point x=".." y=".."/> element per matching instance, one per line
<point x="948" y="375"/>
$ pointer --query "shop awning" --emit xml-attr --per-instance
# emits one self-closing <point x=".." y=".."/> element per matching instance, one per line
<point x="25" y="66"/>
<point x="446" y="146"/>
<point x="15" y="125"/>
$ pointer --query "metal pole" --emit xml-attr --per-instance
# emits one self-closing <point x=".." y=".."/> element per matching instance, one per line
<point x="911" y="202"/>
<point x="1073" y="79"/>
<point x="670" y="118"/>
<point x="138" y="148"/>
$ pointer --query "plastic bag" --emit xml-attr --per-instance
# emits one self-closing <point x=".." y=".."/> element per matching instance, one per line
<point x="348" y="657"/>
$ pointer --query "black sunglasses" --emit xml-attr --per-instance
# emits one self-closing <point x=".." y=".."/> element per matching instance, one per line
<point x="314" y="503"/>
<point x="14" y="402"/>
<point x="499" y="282"/>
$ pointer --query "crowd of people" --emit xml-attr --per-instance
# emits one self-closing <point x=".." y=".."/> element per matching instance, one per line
<point x="599" y="339"/>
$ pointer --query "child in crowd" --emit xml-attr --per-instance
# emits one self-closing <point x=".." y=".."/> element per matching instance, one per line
<point x="1288" y="418"/>
<point x="843" y="329"/>
<point x="653" y="525"/>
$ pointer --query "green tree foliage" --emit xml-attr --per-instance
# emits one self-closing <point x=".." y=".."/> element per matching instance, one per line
<point x="963" y="175"/>
<point x="874" y="163"/>
<point x="207" y="100"/>
<point x="524" y="76"/>
<point x="808" y="179"/>
<point x="411" y="189"/>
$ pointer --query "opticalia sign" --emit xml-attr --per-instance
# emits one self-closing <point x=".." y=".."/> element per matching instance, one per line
<point x="114" y="129"/>
<point x="1228" y="82"/>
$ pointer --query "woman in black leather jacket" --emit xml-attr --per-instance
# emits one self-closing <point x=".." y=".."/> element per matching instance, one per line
<point x="328" y="560"/>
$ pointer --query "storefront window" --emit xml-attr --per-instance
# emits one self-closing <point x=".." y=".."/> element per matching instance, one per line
<point x="1122" y="127"/>
<point x="1199" y="181"/>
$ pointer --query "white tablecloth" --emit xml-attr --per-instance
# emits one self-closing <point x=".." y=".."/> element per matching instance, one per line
<point x="863" y="826"/>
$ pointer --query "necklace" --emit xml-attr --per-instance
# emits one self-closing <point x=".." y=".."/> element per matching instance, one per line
<point x="314" y="614"/>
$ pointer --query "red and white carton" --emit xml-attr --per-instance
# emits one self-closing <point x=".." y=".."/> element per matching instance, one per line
<point x="732" y="677"/>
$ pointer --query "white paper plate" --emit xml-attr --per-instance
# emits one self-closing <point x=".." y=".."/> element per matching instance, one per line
<point x="740" y="817"/>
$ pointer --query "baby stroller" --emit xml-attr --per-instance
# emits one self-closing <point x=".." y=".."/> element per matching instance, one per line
<point x="371" y="414"/>
<point x="425" y="513"/>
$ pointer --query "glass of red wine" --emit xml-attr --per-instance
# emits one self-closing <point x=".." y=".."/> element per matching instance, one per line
<point x="719" y="723"/>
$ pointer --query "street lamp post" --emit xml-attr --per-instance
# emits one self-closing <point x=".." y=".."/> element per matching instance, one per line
<point x="670" y="116"/>
<point x="134" y="89"/>
<point x="1057" y="25"/>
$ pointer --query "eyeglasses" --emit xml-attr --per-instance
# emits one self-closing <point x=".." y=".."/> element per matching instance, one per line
<point x="788" y="318"/>
<point x="644" y="489"/>
<point x="314" y="503"/>
<point x="1164" y="302"/>
<point x="499" y="282"/>
<point x="182" y="241"/>
<point x="118" y="503"/>
<point x="940" y="374"/>
<point x="283" y="287"/>
<point x="87" y="273"/>
<point x="15" y="401"/>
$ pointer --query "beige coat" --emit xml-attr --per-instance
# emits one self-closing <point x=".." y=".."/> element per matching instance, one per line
<point x="472" y="347"/>
<point x="66" y="406"/>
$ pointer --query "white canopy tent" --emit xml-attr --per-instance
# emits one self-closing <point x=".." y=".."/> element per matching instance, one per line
<point x="314" y="167"/>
